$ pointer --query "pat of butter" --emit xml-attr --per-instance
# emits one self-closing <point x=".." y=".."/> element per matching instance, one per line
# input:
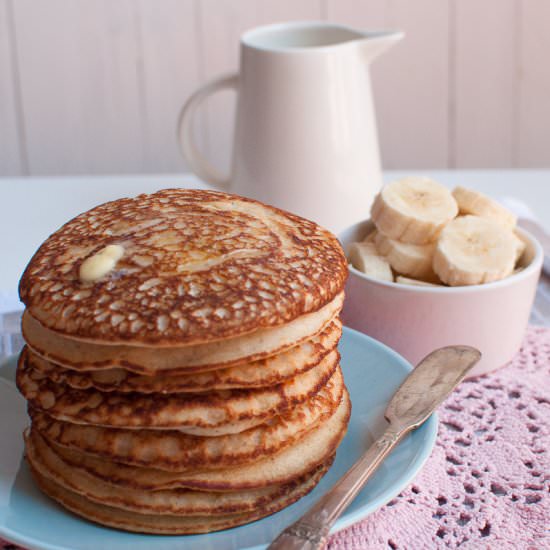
<point x="98" y="265"/>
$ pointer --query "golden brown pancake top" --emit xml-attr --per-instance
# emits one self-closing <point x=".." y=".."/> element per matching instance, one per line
<point x="197" y="266"/>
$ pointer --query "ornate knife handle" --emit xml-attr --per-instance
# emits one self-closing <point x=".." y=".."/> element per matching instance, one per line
<point x="311" y="530"/>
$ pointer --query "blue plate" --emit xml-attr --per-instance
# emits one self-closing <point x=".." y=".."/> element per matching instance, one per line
<point x="372" y="373"/>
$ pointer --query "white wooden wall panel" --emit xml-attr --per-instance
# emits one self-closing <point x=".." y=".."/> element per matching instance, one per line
<point x="486" y="83"/>
<point x="11" y="140"/>
<point x="416" y="78"/>
<point x="80" y="86"/>
<point x="96" y="86"/>
<point x="410" y="82"/>
<point x="169" y="39"/>
<point x="534" y="82"/>
<point x="222" y="22"/>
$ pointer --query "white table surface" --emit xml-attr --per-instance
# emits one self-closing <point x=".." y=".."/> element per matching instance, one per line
<point x="32" y="208"/>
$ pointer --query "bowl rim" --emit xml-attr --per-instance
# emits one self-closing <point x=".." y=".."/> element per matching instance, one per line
<point x="534" y="266"/>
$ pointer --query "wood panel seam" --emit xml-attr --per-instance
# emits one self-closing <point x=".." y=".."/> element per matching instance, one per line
<point x="17" y="96"/>
<point x="201" y="70"/>
<point x="518" y="36"/>
<point x="452" y="97"/>
<point x="323" y="9"/>
<point x="142" y="90"/>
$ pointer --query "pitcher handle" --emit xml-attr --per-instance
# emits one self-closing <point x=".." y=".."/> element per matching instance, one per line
<point x="191" y="153"/>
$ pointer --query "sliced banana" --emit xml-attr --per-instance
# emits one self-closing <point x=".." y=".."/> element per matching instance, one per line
<point x="472" y="250"/>
<point x="371" y="236"/>
<point x="520" y="246"/>
<point x="414" y="260"/>
<point x="364" y="257"/>
<point x="478" y="204"/>
<point x="413" y="210"/>
<point x="413" y="282"/>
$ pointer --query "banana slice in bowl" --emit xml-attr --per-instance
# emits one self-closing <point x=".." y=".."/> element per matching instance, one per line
<point x="472" y="250"/>
<point x="413" y="210"/>
<point x="477" y="204"/>
<point x="364" y="257"/>
<point x="414" y="260"/>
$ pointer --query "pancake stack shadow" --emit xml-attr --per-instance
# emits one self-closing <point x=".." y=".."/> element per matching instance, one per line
<point x="193" y="384"/>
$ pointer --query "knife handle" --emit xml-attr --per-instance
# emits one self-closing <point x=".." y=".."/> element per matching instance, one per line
<point x="311" y="531"/>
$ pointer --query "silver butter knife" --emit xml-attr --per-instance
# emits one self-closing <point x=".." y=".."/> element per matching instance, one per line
<point x="419" y="395"/>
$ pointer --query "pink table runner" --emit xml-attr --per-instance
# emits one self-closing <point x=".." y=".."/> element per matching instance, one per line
<point x="487" y="482"/>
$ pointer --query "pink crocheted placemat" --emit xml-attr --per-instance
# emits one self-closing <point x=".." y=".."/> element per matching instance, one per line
<point x="487" y="481"/>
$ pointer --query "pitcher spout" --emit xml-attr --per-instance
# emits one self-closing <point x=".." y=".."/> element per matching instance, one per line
<point x="375" y="43"/>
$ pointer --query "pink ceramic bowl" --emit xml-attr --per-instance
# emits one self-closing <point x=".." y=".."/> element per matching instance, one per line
<point x="414" y="320"/>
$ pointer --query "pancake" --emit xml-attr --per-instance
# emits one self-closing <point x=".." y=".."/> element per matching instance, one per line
<point x="197" y="266"/>
<point x="150" y="360"/>
<point x="171" y="525"/>
<point x="265" y="372"/>
<point x="311" y="450"/>
<point x="181" y="365"/>
<point x="173" y="451"/>
<point x="47" y="463"/>
<point x="208" y="414"/>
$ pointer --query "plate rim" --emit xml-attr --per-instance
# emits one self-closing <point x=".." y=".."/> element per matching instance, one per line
<point x="346" y="519"/>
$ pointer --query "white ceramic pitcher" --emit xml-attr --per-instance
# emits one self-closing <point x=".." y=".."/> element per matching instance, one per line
<point x="305" y="133"/>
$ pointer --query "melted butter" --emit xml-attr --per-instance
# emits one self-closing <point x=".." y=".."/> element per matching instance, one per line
<point x="98" y="265"/>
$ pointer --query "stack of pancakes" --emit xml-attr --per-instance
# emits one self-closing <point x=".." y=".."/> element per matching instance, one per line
<point x="181" y="367"/>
